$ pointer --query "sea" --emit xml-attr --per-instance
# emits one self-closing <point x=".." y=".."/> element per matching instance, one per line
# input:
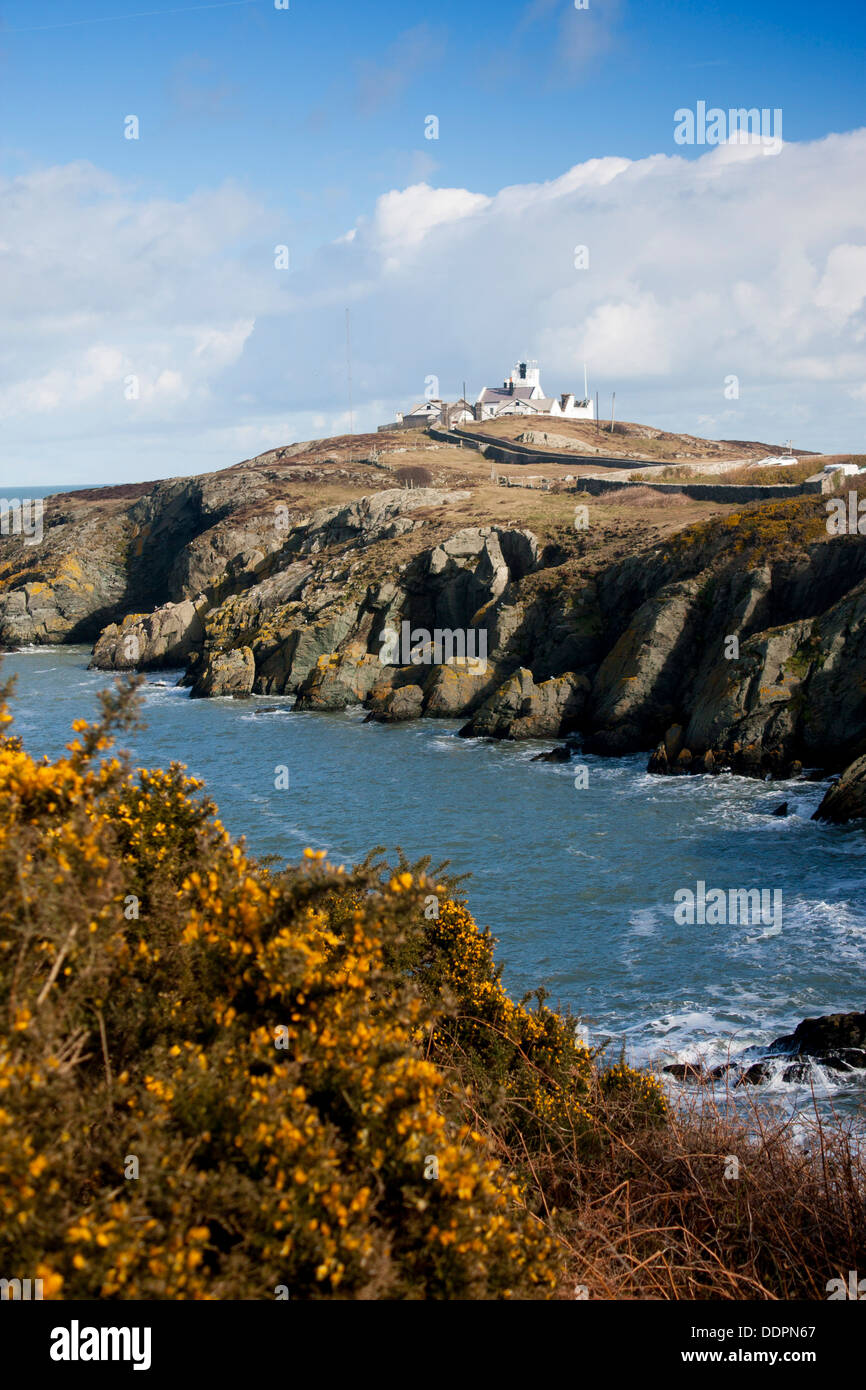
<point x="576" y="874"/>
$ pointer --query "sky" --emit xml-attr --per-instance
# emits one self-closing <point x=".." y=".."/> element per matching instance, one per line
<point x="193" y="196"/>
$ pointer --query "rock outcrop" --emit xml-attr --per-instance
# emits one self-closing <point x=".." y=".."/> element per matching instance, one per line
<point x="457" y="688"/>
<point x="226" y="673"/>
<point x="522" y="709"/>
<point x="337" y="682"/>
<point x="397" y="705"/>
<point x="165" y="637"/>
<point x="317" y="626"/>
<point x="69" y="586"/>
<point x="846" y="799"/>
<point x="634" y="692"/>
<point x="833" y="1042"/>
<point x="825" y="1036"/>
<point x="735" y="644"/>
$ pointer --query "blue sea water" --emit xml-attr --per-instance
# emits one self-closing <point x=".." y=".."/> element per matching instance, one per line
<point x="41" y="490"/>
<point x="577" y="884"/>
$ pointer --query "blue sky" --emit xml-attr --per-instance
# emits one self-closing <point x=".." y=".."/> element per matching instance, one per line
<point x="261" y="127"/>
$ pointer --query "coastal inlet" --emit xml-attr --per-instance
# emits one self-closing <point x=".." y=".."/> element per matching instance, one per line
<point x="578" y="882"/>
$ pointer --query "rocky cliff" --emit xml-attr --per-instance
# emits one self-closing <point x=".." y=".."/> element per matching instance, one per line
<point x="735" y="642"/>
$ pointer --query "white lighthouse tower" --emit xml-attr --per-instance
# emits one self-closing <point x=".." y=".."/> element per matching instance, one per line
<point x="527" y="373"/>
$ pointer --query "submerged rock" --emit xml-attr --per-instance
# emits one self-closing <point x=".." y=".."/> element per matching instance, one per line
<point x="556" y="755"/>
<point x="756" y="1075"/>
<point x="797" y="1073"/>
<point x="686" y="1071"/>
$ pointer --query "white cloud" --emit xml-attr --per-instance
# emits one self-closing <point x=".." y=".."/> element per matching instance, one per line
<point x="404" y="218"/>
<point x="731" y="263"/>
<point x="842" y="289"/>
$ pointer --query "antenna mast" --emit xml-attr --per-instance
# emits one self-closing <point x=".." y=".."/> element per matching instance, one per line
<point x="349" y="372"/>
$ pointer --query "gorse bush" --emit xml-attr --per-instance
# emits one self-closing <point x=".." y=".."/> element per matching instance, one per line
<point x="217" y="1081"/>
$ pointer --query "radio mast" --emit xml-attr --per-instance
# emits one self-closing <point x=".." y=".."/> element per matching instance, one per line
<point x="349" y="371"/>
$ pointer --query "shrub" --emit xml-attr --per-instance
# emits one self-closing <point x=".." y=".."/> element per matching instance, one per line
<point x="413" y="475"/>
<point x="223" y="1080"/>
<point x="207" y="1091"/>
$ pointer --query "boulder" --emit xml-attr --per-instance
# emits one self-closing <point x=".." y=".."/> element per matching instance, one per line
<point x="758" y="1074"/>
<point x="686" y="1071"/>
<point x="396" y="706"/>
<point x="797" y="1073"/>
<point x="521" y="709"/>
<point x="339" y="680"/>
<point x="819" y="1037"/>
<point x="165" y="637"/>
<point x="226" y="673"/>
<point x="562" y="754"/>
<point x="725" y="1069"/>
<point x="846" y="799"/>
<point x="457" y="687"/>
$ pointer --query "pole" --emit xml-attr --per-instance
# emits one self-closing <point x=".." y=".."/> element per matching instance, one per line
<point x="349" y="372"/>
<point x="612" y="410"/>
<point x="597" y="424"/>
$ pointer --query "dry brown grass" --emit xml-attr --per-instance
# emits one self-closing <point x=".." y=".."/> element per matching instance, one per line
<point x="653" y="1212"/>
<point x="658" y="1218"/>
<point x="648" y="499"/>
<point x="627" y="437"/>
<point x="764" y="477"/>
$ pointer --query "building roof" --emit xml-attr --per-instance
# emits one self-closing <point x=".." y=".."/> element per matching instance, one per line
<point x="490" y="394"/>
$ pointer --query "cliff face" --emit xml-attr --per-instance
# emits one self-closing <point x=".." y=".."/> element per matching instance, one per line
<point x="738" y="642"/>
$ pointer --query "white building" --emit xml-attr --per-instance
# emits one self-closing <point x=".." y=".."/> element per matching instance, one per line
<point x="426" y="413"/>
<point x="436" y="412"/>
<point x="521" y="394"/>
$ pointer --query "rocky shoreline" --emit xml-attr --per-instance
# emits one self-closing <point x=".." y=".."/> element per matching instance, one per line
<point x="733" y="645"/>
<point x="834" y="1042"/>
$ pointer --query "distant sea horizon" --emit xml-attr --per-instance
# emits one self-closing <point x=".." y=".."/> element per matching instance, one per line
<point x="44" y="490"/>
